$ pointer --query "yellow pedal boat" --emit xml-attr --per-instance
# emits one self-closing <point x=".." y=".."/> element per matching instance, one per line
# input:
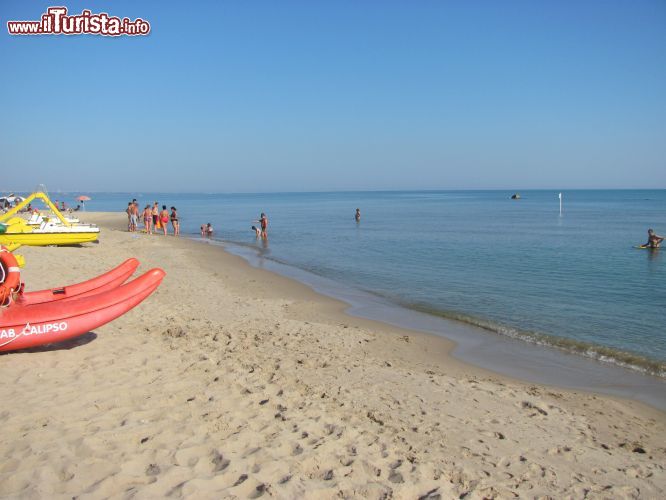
<point x="18" y="231"/>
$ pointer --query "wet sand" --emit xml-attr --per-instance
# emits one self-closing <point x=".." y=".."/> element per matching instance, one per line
<point x="232" y="381"/>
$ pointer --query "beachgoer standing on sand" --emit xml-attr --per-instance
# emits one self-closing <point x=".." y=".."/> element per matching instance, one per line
<point x="135" y="216"/>
<point x="209" y="229"/>
<point x="148" y="219"/>
<point x="155" y="212"/>
<point x="129" y="216"/>
<point x="654" y="240"/>
<point x="164" y="219"/>
<point x="263" y="222"/>
<point x="174" y="221"/>
<point x="358" y="215"/>
<point x="132" y="217"/>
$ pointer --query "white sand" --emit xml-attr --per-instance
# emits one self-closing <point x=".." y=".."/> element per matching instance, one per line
<point x="235" y="382"/>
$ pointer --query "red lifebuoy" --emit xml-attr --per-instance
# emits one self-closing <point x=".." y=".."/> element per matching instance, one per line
<point x="12" y="276"/>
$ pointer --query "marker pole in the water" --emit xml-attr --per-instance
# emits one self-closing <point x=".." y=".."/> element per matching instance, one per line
<point x="560" y="203"/>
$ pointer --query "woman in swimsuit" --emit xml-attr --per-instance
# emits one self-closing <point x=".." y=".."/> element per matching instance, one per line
<point x="148" y="219"/>
<point x="155" y="213"/>
<point x="174" y="221"/>
<point x="164" y="219"/>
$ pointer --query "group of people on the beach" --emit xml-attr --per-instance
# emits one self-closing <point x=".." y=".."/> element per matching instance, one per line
<point x="154" y="220"/>
<point x="62" y="206"/>
<point x="6" y="206"/>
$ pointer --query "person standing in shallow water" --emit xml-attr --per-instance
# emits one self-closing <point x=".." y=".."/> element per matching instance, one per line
<point x="155" y="212"/>
<point x="174" y="221"/>
<point x="263" y="223"/>
<point x="147" y="219"/>
<point x="164" y="219"/>
<point x="357" y="216"/>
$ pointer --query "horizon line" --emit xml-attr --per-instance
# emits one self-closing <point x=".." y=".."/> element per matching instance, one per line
<point x="512" y="190"/>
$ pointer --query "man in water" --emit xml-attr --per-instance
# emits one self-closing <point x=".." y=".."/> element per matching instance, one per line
<point x="358" y="215"/>
<point x="654" y="240"/>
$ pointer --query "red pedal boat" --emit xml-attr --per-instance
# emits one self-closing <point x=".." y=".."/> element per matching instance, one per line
<point x="23" y="326"/>
<point x="102" y="283"/>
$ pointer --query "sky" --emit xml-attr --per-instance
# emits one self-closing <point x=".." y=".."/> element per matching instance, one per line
<point x="265" y="96"/>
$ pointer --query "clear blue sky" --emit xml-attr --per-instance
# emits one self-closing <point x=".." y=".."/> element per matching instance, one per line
<point x="313" y="95"/>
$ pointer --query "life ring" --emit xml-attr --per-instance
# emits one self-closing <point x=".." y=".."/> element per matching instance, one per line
<point x="12" y="276"/>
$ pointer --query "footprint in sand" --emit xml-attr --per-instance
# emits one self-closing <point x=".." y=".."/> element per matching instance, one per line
<point x="241" y="479"/>
<point x="219" y="462"/>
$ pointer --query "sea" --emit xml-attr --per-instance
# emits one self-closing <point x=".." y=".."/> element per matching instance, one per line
<point x="566" y="277"/>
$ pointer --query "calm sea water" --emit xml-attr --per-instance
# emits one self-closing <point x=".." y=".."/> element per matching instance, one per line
<point x="515" y="267"/>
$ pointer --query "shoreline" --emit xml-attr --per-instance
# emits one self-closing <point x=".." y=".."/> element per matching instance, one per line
<point x="232" y="380"/>
<point x="629" y="360"/>
<point x="517" y="358"/>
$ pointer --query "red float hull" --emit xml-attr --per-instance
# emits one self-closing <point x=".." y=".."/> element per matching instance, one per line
<point x="102" y="283"/>
<point x="24" y="326"/>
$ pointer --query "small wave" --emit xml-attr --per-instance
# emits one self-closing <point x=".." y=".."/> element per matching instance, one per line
<point x="597" y="352"/>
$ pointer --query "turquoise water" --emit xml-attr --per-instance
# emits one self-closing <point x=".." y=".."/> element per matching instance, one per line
<point x="514" y="267"/>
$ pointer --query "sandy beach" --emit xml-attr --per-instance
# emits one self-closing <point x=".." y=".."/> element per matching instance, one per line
<point x="234" y="382"/>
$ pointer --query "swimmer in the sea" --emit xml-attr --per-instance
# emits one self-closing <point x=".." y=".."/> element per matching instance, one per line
<point x="654" y="240"/>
